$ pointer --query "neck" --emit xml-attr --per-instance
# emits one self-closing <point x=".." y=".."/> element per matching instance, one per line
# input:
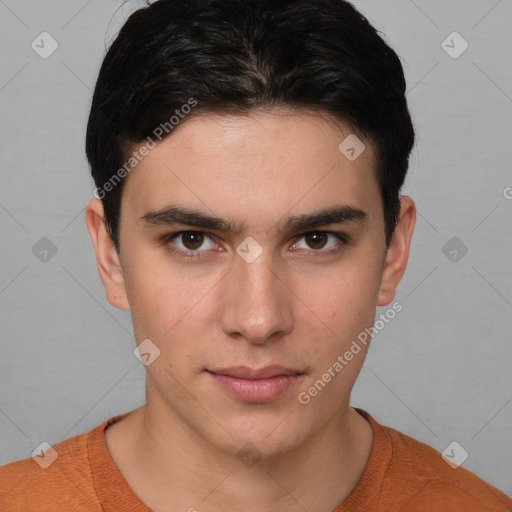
<point x="171" y="463"/>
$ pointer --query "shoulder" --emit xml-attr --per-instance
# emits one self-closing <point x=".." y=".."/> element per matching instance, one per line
<point x="430" y="483"/>
<point x="418" y="478"/>
<point x="58" y="479"/>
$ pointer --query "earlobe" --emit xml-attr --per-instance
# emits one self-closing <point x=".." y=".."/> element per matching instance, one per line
<point x="107" y="258"/>
<point x="398" y="252"/>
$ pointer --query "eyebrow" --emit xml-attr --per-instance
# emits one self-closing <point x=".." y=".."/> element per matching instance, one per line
<point x="179" y="215"/>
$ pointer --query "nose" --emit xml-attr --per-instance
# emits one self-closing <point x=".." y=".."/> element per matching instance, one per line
<point x="257" y="305"/>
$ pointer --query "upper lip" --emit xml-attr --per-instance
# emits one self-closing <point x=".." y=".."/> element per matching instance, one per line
<point x="245" y="372"/>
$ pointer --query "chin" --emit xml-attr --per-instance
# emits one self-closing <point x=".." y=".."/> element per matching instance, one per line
<point x="264" y="437"/>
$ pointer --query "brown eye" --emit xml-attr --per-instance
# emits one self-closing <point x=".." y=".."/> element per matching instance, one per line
<point x="322" y="242"/>
<point x="316" y="240"/>
<point x="189" y="243"/>
<point x="192" y="240"/>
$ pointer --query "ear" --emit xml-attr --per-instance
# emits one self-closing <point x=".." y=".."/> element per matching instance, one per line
<point x="107" y="258"/>
<point x="398" y="252"/>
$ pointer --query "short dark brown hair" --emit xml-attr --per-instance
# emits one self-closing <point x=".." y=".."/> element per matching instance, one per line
<point x="241" y="55"/>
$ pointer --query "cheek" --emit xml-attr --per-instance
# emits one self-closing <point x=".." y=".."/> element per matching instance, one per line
<point x="341" y="306"/>
<point x="161" y="294"/>
<point x="344" y="298"/>
<point x="173" y="307"/>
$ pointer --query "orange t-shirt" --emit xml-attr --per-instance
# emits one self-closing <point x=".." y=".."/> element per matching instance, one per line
<point x="402" y="474"/>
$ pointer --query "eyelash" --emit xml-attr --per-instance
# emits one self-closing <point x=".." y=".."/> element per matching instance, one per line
<point x="167" y="239"/>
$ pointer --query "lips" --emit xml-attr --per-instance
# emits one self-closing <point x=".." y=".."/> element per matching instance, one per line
<point x="253" y="385"/>
<point x="245" y="372"/>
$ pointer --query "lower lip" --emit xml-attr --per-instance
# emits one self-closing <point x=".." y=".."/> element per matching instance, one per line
<point x="257" y="390"/>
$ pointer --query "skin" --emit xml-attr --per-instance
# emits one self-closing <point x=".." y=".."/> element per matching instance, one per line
<point x="295" y="305"/>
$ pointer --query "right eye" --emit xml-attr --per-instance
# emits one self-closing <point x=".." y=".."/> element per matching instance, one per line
<point x="187" y="243"/>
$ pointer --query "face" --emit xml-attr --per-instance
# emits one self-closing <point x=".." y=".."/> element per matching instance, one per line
<point x="252" y="254"/>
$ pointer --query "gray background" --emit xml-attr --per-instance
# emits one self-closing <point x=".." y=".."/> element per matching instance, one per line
<point x="440" y="371"/>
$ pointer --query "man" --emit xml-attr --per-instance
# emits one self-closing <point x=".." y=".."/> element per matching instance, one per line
<point x="248" y="157"/>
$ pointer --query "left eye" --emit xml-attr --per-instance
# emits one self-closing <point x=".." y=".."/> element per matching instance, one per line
<point x="321" y="240"/>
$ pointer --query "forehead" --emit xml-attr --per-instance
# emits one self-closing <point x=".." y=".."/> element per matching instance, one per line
<point x="274" y="161"/>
